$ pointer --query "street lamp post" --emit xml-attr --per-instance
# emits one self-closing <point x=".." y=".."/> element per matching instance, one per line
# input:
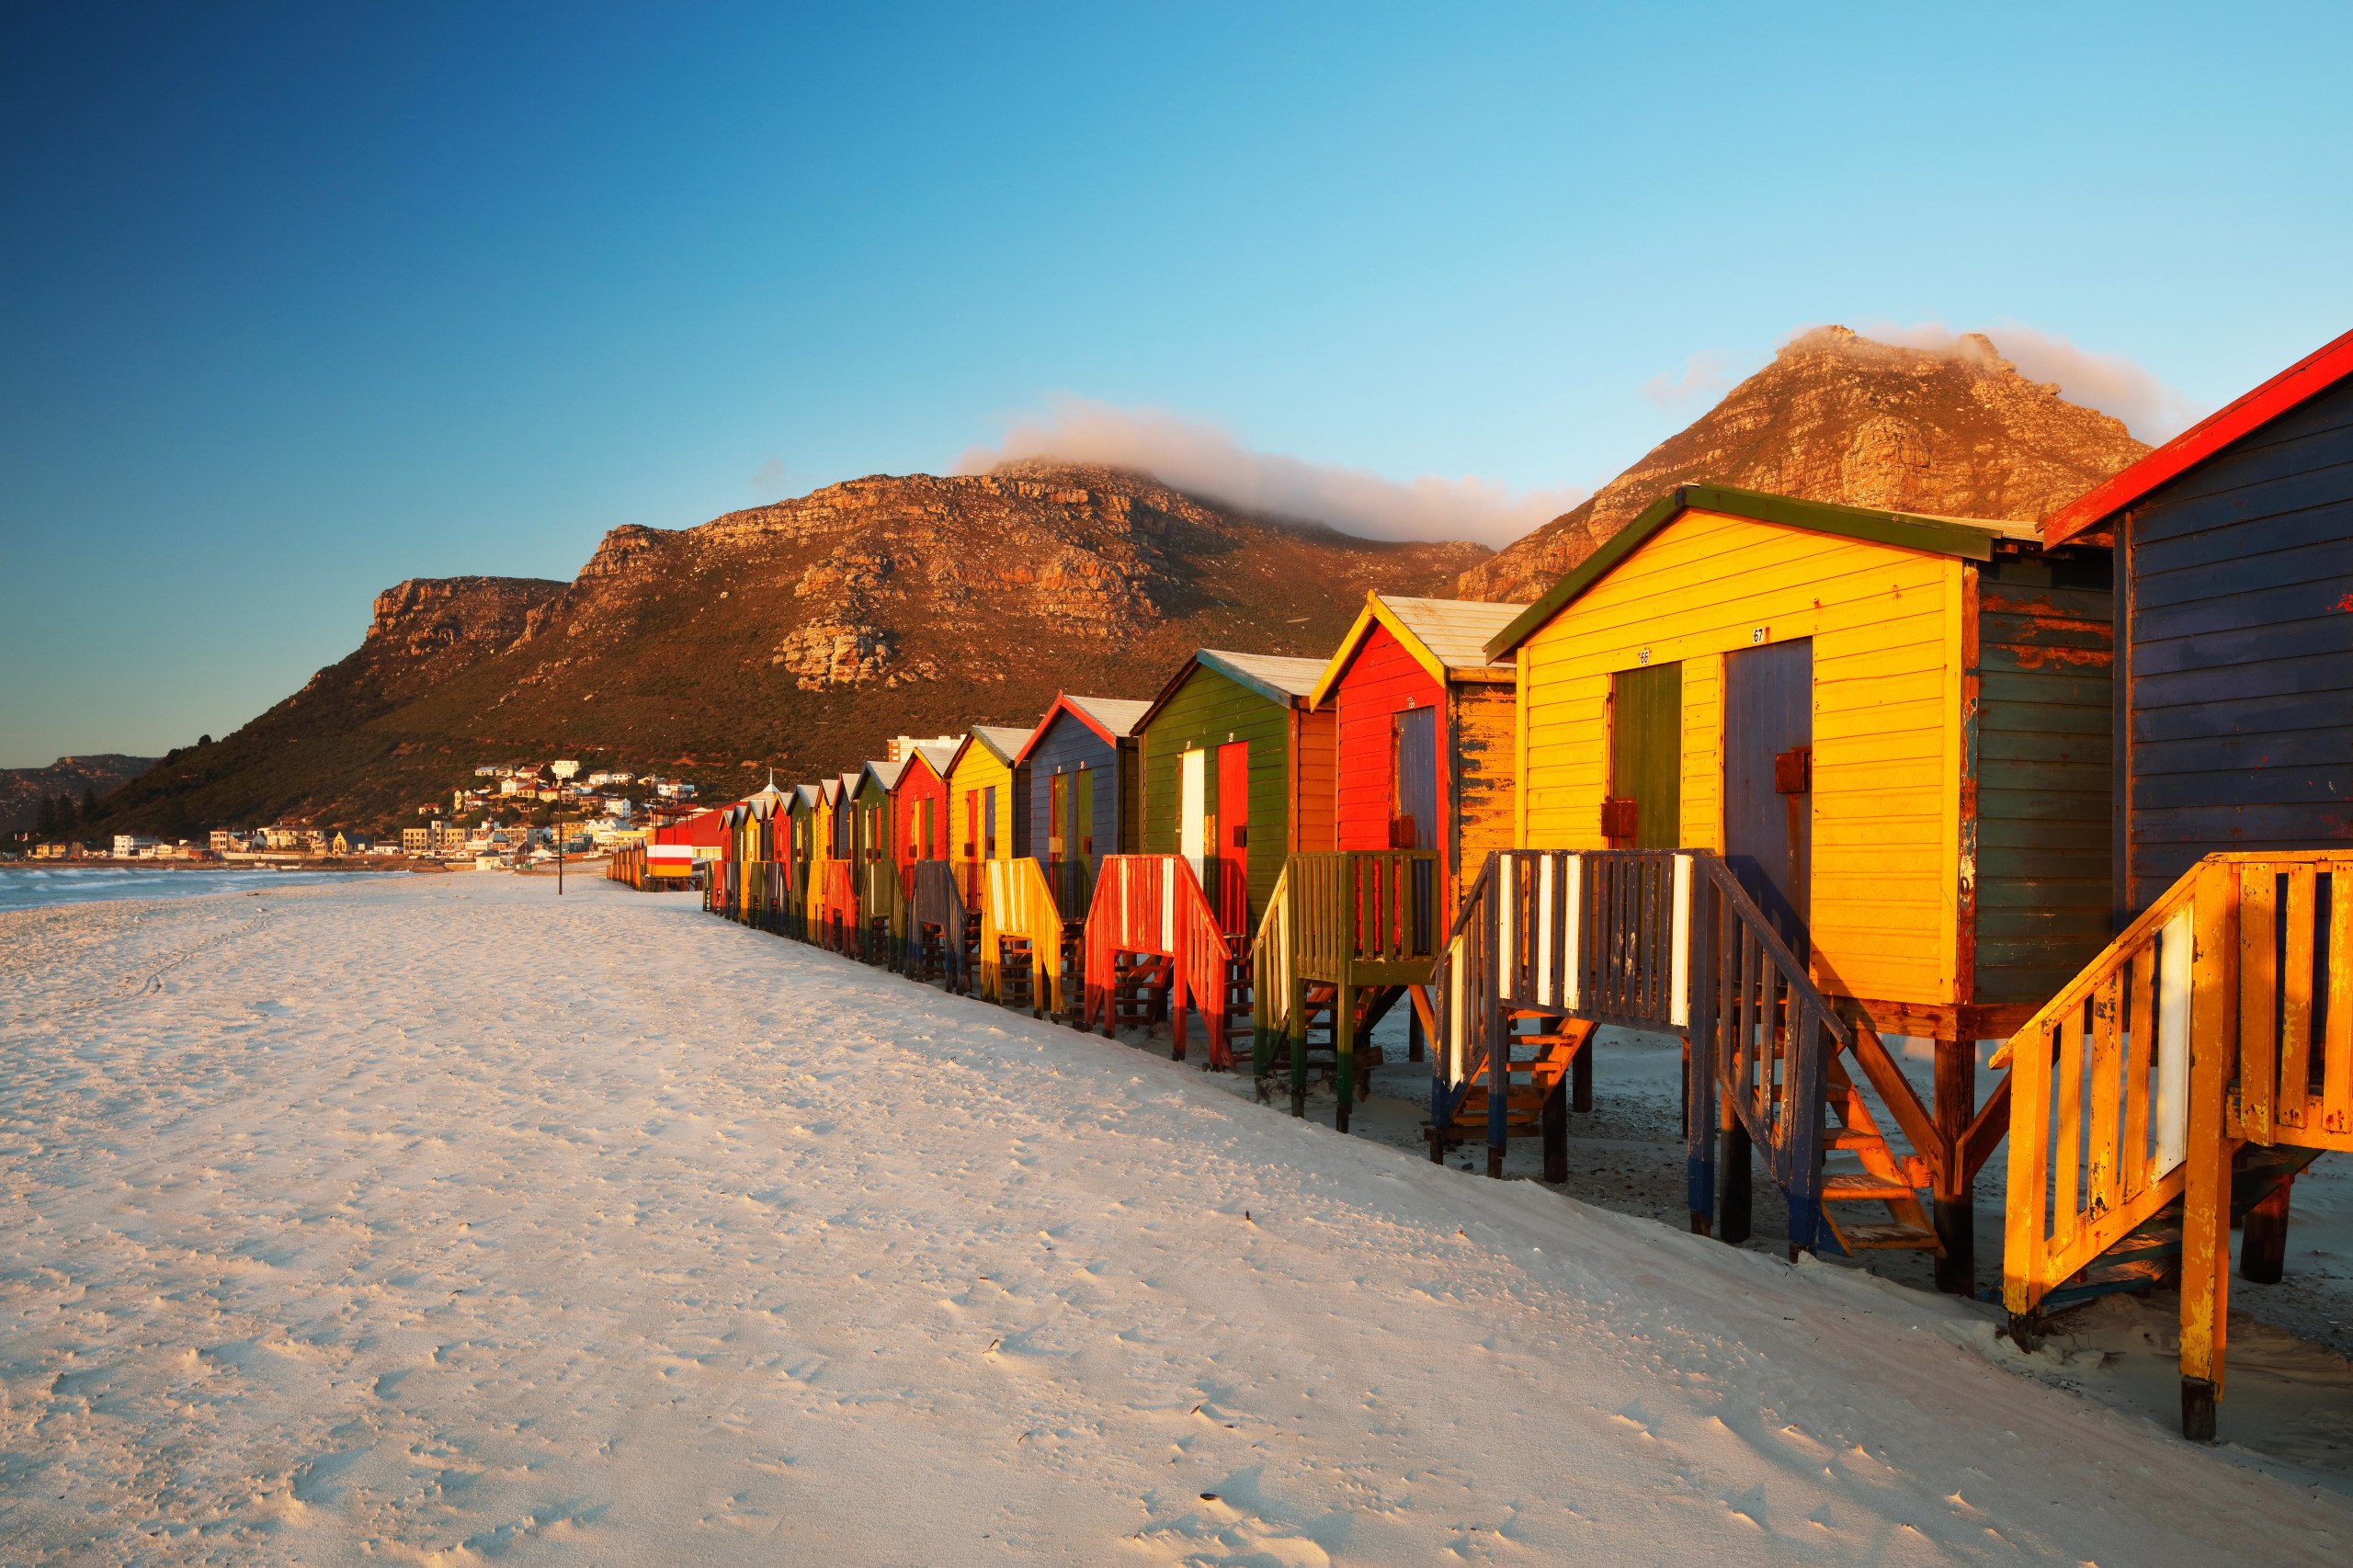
<point x="564" y="770"/>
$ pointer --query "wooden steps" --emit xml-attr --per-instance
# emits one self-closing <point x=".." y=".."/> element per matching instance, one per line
<point x="1852" y="1134"/>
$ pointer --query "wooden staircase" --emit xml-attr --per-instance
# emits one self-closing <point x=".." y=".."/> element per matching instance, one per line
<point x="1868" y="1172"/>
<point x="1536" y="1091"/>
<point x="1016" y="975"/>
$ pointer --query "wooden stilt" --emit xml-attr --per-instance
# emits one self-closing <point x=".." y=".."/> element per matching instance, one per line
<point x="1735" y="1213"/>
<point x="1556" y="1133"/>
<point x="1415" y="1048"/>
<point x="1344" y="1048"/>
<point x="2198" y="1410"/>
<point x="2263" y="1250"/>
<point x="1298" y="1046"/>
<point x="1956" y="1206"/>
<point x="1581" y="1082"/>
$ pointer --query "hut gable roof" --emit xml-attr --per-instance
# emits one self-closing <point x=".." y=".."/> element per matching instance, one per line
<point x="1290" y="682"/>
<point x="935" y="756"/>
<point x="1003" y="741"/>
<point x="805" y="797"/>
<point x="2298" y="384"/>
<point x="1112" y="718"/>
<point x="1445" y="637"/>
<point x="1971" y="537"/>
<point x="886" y="774"/>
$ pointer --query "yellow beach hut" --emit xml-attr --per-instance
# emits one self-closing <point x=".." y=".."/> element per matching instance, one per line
<point x="1892" y="729"/>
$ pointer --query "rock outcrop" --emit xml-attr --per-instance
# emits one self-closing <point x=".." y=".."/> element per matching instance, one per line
<point x="798" y="634"/>
<point x="1840" y="417"/>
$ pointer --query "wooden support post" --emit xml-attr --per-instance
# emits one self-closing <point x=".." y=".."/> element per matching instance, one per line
<point x="1556" y="1134"/>
<point x="1735" y="1213"/>
<point x="1580" y="1077"/>
<point x="1298" y="1044"/>
<point x="2206" y="1180"/>
<point x="1956" y="1205"/>
<point x="2263" y="1249"/>
<point x="1416" y="1049"/>
<point x="1498" y="1091"/>
<point x="1179" y="983"/>
<point x="1344" y="1047"/>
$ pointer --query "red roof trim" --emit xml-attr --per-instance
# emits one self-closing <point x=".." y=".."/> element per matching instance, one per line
<point x="2304" y="380"/>
<point x="1063" y="704"/>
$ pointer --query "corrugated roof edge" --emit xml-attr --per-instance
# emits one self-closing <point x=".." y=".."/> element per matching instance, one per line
<point x="2298" y="383"/>
<point x="1969" y="537"/>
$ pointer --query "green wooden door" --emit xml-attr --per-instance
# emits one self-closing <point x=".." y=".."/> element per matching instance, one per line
<point x="1082" y="831"/>
<point x="1646" y="753"/>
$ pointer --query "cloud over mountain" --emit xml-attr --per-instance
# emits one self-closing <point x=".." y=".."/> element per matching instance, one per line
<point x="1206" y="459"/>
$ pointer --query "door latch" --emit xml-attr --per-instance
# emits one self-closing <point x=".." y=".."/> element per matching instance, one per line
<point x="1794" y="770"/>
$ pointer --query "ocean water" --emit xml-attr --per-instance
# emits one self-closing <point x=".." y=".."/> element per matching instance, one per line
<point x="29" y="887"/>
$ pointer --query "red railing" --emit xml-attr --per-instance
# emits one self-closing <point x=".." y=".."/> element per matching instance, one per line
<point x="1153" y="905"/>
<point x="837" y="908"/>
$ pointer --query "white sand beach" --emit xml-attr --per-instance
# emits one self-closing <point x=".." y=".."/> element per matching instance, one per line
<point x="434" y="1219"/>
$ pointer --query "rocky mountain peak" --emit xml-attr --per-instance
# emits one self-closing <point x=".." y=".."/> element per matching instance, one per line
<point x="1837" y="417"/>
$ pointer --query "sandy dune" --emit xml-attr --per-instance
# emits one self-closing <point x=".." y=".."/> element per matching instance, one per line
<point x="428" y="1219"/>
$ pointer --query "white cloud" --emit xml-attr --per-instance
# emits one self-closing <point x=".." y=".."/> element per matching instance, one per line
<point x="2112" y="383"/>
<point x="1207" y="460"/>
<point x="1704" y="375"/>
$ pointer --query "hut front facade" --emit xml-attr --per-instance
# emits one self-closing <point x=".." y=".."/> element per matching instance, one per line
<point x="1238" y="773"/>
<point x="920" y="808"/>
<point x="1081" y="761"/>
<point x="1424" y="731"/>
<point x="1894" y="726"/>
<point x="988" y="804"/>
<point x="2234" y="723"/>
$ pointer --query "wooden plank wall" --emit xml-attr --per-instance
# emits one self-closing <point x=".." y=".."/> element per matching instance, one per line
<point x="1069" y="746"/>
<point x="1208" y="711"/>
<point x="2239" y="584"/>
<point x="977" y="770"/>
<point x="1887" y="638"/>
<point x="1381" y="681"/>
<point x="2045" y="759"/>
<point x="1485" y="787"/>
<point x="1315" y="780"/>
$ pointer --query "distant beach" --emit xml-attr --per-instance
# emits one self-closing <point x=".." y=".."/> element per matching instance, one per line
<point x="34" y="887"/>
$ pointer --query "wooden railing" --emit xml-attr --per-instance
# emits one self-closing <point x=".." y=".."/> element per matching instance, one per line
<point x="881" y="898"/>
<point x="838" y="925"/>
<point x="1664" y="940"/>
<point x="1017" y="904"/>
<point x="1073" y="883"/>
<point x="936" y="923"/>
<point x="2221" y="1017"/>
<point x="1345" y="917"/>
<point x="1761" y="1037"/>
<point x="1153" y="905"/>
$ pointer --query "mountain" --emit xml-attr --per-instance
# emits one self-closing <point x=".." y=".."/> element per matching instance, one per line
<point x="1840" y="417"/>
<point x="797" y="636"/>
<point x="22" y="789"/>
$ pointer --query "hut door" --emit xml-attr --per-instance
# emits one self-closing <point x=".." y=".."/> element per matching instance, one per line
<point x="1058" y="818"/>
<point x="1234" y="835"/>
<point x="1082" y="814"/>
<point x="1769" y="778"/>
<point x="1645" y="806"/>
<point x="1192" y="806"/>
<point x="1413" y="782"/>
<point x="988" y="823"/>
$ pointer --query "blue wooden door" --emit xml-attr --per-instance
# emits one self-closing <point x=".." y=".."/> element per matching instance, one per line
<point x="1413" y="786"/>
<point x="1769" y="778"/>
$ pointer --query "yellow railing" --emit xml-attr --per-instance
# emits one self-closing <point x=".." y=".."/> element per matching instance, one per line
<point x="2193" y="1033"/>
<point x="1017" y="902"/>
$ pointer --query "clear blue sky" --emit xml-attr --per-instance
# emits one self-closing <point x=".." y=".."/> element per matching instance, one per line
<point x="297" y="301"/>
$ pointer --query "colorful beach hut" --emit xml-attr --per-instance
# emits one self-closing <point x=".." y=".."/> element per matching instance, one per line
<point x="1083" y="765"/>
<point x="1238" y="773"/>
<point x="919" y="835"/>
<point x="874" y="855"/>
<point x="1423" y="787"/>
<point x="1890" y="732"/>
<point x="988" y="802"/>
<point x="2173" y="1086"/>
